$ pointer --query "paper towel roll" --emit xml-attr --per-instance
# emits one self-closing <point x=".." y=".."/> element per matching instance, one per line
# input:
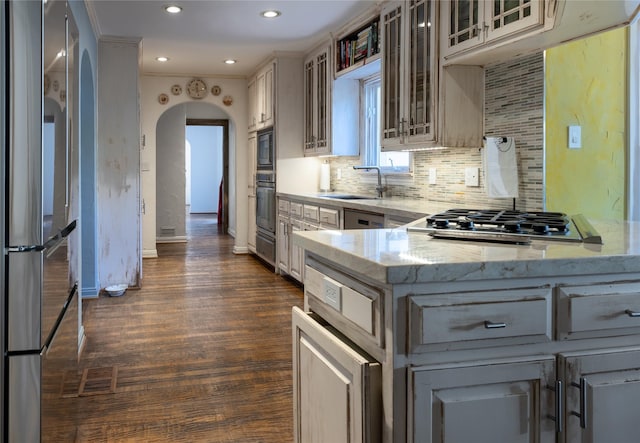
<point x="325" y="177"/>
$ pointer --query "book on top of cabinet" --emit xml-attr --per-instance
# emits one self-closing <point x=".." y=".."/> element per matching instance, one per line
<point x="357" y="47"/>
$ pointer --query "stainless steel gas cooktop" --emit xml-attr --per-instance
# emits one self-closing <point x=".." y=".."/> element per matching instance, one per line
<point x="506" y="226"/>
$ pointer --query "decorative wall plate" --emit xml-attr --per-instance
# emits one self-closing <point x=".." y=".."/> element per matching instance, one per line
<point x="176" y="89"/>
<point x="46" y="84"/>
<point x="63" y="95"/>
<point x="197" y="88"/>
<point x="55" y="85"/>
<point x="216" y="90"/>
<point x="163" y="99"/>
<point x="227" y="100"/>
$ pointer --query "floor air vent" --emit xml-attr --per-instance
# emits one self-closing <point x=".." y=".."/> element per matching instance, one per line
<point x="97" y="381"/>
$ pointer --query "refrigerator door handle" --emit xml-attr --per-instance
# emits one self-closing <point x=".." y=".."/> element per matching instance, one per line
<point x="49" y="244"/>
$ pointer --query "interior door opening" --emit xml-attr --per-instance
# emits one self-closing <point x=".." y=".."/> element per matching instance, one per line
<point x="206" y="159"/>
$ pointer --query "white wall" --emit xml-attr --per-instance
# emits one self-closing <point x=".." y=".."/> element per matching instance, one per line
<point x="204" y="168"/>
<point x="151" y="110"/>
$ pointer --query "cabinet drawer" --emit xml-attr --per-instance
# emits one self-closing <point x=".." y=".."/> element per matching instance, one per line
<point x="480" y="319"/>
<point x="283" y="206"/>
<point x="311" y="213"/>
<point x="351" y="307"/>
<point x="295" y="209"/>
<point x="330" y="218"/>
<point x="598" y="310"/>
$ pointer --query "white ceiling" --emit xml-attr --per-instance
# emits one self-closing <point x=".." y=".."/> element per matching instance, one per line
<point x="206" y="32"/>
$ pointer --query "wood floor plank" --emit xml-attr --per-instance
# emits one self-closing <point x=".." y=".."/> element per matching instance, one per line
<point x="202" y="351"/>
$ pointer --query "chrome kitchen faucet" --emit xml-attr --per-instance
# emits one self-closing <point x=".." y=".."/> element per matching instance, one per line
<point x="379" y="188"/>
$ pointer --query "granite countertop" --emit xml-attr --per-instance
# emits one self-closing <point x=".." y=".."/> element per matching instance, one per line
<point x="398" y="206"/>
<point x="398" y="256"/>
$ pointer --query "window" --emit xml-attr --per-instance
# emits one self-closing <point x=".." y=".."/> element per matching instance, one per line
<point x="389" y="162"/>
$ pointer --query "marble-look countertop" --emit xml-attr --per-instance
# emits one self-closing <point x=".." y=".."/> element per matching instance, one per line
<point x="398" y="256"/>
<point x="398" y="206"/>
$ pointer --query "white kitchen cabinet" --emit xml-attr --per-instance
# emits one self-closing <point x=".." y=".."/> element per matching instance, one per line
<point x="425" y="105"/>
<point x="252" y="96"/>
<point x="497" y="401"/>
<point x="265" y="96"/>
<point x="283" y="243"/>
<point x="296" y="253"/>
<point x="251" y="193"/>
<point x="468" y="24"/>
<point x="317" y="102"/>
<point x="336" y="387"/>
<point x="409" y="63"/>
<point x="602" y="390"/>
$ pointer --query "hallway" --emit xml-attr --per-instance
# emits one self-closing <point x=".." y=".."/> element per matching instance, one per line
<point x="201" y="353"/>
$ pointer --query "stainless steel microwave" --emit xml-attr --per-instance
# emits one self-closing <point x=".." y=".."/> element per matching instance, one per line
<point x="266" y="150"/>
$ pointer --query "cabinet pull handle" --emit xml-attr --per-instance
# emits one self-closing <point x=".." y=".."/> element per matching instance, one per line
<point x="582" y="414"/>
<point x="631" y="313"/>
<point x="559" y="406"/>
<point x="491" y="325"/>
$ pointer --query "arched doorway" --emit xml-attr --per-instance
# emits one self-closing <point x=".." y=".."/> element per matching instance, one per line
<point x="171" y="167"/>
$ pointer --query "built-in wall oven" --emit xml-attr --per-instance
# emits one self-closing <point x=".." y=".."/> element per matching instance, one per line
<point x="266" y="216"/>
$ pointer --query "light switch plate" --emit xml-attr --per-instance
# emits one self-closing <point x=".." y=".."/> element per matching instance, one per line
<point x="432" y="176"/>
<point x="575" y="137"/>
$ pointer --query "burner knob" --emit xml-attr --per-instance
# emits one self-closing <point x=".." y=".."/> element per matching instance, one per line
<point x="442" y="224"/>
<point x="540" y="228"/>
<point x="467" y="225"/>
<point x="512" y="226"/>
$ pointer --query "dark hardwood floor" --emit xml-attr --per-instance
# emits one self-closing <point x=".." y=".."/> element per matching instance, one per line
<point x="201" y="353"/>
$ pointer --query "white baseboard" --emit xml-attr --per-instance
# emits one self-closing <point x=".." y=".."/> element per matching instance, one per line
<point x="240" y="250"/>
<point x="149" y="253"/>
<point x="174" y="239"/>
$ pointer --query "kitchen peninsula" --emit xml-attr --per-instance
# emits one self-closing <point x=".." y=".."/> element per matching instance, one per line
<point x="419" y="339"/>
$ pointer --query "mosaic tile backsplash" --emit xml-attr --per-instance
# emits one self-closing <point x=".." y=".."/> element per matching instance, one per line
<point x="514" y="107"/>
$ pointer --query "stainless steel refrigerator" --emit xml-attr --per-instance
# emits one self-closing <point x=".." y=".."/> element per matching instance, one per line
<point x="39" y="321"/>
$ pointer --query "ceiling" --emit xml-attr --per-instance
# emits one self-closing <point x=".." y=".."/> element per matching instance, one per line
<point x="207" y="32"/>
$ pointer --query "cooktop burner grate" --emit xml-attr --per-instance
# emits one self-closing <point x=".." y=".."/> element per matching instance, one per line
<point x="507" y="225"/>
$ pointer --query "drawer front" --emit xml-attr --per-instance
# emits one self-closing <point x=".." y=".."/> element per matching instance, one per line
<point x="346" y="304"/>
<point x="480" y="319"/>
<point x="283" y="206"/>
<point x="297" y="224"/>
<point x="329" y="218"/>
<point x="311" y="213"/>
<point x="599" y="310"/>
<point x="295" y="209"/>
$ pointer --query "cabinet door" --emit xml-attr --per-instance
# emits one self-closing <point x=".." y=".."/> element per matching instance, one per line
<point x="462" y="21"/>
<point x="602" y="392"/>
<point x="509" y="17"/>
<point x="251" y="235"/>
<point x="283" y="244"/>
<point x="296" y="256"/>
<point x="421" y="60"/>
<point x="322" y="102"/>
<point x="392" y="44"/>
<point x="252" y="92"/>
<point x="492" y="402"/>
<point x="309" y="106"/>
<point x="265" y="97"/>
<point x="336" y="390"/>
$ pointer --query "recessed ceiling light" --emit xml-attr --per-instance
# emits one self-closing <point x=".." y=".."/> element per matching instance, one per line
<point x="172" y="9"/>
<point x="162" y="59"/>
<point x="230" y="61"/>
<point x="270" y="13"/>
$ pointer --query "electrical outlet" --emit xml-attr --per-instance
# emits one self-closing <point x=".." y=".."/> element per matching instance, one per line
<point x="472" y="176"/>
<point x="332" y="293"/>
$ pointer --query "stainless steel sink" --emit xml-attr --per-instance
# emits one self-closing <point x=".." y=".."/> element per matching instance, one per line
<point x="348" y="197"/>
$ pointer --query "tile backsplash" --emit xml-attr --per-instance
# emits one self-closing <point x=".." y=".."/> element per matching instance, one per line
<point x="514" y="107"/>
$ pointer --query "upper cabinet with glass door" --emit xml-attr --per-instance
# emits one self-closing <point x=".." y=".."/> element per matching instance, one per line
<point x="468" y="25"/>
<point x="317" y="102"/>
<point x="409" y="64"/>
